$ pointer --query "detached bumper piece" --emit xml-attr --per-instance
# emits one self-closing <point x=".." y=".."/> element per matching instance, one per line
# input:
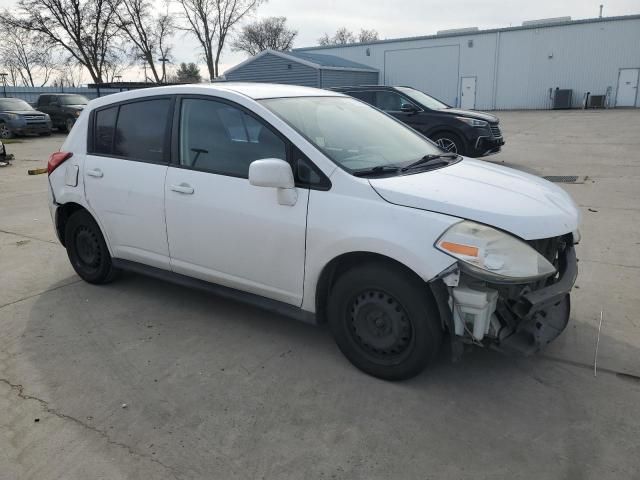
<point x="538" y="316"/>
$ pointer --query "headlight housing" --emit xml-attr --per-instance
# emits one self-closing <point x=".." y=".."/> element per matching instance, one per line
<point x="12" y="116"/>
<point x="493" y="255"/>
<point x="473" y="122"/>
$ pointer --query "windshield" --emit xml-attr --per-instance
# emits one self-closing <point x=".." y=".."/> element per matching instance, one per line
<point x="423" y="98"/>
<point x="351" y="133"/>
<point x="73" y="100"/>
<point x="14" y="104"/>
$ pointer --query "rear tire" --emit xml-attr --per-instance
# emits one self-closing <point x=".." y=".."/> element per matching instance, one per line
<point x="384" y="321"/>
<point x="450" y="142"/>
<point x="87" y="250"/>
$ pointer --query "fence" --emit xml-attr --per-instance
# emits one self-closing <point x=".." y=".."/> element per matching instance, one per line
<point x="30" y="94"/>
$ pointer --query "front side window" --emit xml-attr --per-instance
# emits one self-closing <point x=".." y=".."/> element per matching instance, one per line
<point x="220" y="138"/>
<point x="365" y="96"/>
<point x="390" y="101"/>
<point x="352" y="134"/>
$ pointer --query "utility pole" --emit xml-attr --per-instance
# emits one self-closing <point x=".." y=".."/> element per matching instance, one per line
<point x="164" y="60"/>
<point x="4" y="83"/>
<point x="601" y="7"/>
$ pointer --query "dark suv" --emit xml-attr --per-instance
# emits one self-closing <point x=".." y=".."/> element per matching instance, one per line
<point x="466" y="132"/>
<point x="63" y="108"/>
<point x="17" y="117"/>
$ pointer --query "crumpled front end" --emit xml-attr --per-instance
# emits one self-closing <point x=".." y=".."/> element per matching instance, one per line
<point x="512" y="318"/>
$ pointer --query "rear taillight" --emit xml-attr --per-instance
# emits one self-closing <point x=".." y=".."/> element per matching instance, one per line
<point x="57" y="159"/>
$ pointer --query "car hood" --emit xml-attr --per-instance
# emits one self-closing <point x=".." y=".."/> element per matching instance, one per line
<point x="487" y="117"/>
<point x="514" y="201"/>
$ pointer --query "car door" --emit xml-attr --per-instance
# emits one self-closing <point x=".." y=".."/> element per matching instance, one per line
<point x="391" y="102"/>
<point x="124" y="174"/>
<point x="221" y="228"/>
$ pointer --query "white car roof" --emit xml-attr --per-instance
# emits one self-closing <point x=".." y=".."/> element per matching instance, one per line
<point x="255" y="91"/>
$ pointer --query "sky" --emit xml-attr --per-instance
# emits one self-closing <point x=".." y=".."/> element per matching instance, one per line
<point x="399" y="18"/>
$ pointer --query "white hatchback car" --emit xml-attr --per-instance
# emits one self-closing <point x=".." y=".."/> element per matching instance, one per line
<point x="316" y="205"/>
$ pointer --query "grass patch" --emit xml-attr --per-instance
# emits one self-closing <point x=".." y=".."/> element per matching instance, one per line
<point x="9" y="141"/>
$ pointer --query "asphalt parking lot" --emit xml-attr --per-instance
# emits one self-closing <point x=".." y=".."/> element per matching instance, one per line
<point x="143" y="379"/>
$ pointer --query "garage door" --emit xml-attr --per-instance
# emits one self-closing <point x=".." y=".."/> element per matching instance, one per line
<point x="433" y="70"/>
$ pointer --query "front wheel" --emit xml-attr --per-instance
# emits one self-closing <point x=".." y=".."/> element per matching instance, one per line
<point x="449" y="142"/>
<point x="87" y="249"/>
<point x="5" y="131"/>
<point x="384" y="321"/>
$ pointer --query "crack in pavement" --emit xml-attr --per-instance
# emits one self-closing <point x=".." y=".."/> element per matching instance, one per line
<point x="27" y="236"/>
<point x="39" y="293"/>
<point x="45" y="406"/>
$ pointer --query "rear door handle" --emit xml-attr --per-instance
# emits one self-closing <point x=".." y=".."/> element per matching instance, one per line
<point x="182" y="188"/>
<point x="96" y="172"/>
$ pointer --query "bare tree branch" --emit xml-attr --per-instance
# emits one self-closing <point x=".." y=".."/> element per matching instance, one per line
<point x="268" y="33"/>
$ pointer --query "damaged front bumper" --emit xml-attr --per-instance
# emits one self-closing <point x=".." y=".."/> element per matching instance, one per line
<point x="526" y="317"/>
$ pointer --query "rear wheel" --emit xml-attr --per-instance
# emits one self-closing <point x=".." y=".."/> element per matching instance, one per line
<point x="87" y="249"/>
<point x="449" y="142"/>
<point x="384" y="321"/>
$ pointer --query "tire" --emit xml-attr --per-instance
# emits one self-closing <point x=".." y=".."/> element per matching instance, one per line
<point x="384" y="321"/>
<point x="68" y="124"/>
<point x="5" y="131"/>
<point x="87" y="250"/>
<point x="450" y="142"/>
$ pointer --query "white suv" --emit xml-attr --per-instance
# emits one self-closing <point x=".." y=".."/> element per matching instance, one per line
<point x="321" y="207"/>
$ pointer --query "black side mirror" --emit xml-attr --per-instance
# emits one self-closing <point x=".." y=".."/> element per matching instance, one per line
<point x="408" y="108"/>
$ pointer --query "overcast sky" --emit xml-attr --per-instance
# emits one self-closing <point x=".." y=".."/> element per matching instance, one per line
<point x="401" y="18"/>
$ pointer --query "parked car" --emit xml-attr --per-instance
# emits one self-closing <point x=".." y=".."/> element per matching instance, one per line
<point x="467" y="132"/>
<point x="63" y="108"/>
<point x="17" y="117"/>
<point x="315" y="205"/>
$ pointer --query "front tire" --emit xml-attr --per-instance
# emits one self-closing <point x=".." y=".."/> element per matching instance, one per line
<point x="87" y="250"/>
<point x="449" y="142"/>
<point x="384" y="321"/>
<point x="5" y="132"/>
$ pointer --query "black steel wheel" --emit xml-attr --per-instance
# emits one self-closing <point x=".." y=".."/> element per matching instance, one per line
<point x="87" y="249"/>
<point x="384" y="321"/>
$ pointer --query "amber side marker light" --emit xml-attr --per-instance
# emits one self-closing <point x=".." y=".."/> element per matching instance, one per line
<point x="460" y="249"/>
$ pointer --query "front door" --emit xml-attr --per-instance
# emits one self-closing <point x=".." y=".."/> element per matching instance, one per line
<point x="221" y="228"/>
<point x="124" y="174"/>
<point x="627" y="87"/>
<point x="468" y="93"/>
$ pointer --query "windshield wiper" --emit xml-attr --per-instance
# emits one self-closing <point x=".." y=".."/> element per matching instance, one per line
<point x="379" y="170"/>
<point x="430" y="159"/>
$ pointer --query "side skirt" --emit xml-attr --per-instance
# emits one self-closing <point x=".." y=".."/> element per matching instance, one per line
<point x="264" y="303"/>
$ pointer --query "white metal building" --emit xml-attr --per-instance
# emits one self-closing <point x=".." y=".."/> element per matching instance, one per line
<point x="512" y="68"/>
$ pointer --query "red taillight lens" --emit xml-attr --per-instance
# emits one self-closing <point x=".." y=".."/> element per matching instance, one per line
<point x="56" y="159"/>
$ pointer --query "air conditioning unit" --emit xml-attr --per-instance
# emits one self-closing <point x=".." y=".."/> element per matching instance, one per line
<point x="597" y="101"/>
<point x="562" y="98"/>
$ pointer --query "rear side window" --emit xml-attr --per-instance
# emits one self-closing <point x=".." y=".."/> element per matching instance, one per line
<point x="105" y="126"/>
<point x="390" y="101"/>
<point x="134" y="131"/>
<point x="141" y="130"/>
<point x="364" y="96"/>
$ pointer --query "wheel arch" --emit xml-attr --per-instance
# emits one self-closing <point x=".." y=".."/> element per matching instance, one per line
<point x="63" y="213"/>
<point x="342" y="263"/>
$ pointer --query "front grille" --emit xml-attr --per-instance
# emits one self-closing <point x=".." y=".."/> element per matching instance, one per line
<point x="495" y="130"/>
<point x="34" y="118"/>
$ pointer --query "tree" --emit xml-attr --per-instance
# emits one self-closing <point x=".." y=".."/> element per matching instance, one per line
<point x="345" y="37"/>
<point x="23" y="53"/>
<point x="268" y="33"/>
<point x="211" y="21"/>
<point x="148" y="32"/>
<point x="187" y="73"/>
<point x="85" y="29"/>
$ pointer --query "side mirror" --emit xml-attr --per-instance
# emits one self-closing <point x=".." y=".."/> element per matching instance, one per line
<point x="408" y="108"/>
<point x="275" y="173"/>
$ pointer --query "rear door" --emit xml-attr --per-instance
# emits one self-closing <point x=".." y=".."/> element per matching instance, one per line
<point x="221" y="228"/>
<point x="124" y="175"/>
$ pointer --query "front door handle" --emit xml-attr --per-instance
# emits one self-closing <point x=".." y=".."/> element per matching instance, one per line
<point x="96" y="172"/>
<point x="182" y="188"/>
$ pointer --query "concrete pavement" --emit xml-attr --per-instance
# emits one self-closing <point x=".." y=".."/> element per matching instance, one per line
<point x="144" y="379"/>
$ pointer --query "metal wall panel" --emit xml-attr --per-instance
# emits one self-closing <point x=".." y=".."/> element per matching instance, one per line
<point x="341" y="78"/>
<point x="274" y="69"/>
<point x="514" y="67"/>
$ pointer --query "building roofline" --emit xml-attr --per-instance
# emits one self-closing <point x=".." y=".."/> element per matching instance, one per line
<point x="293" y="58"/>
<point x="475" y="33"/>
